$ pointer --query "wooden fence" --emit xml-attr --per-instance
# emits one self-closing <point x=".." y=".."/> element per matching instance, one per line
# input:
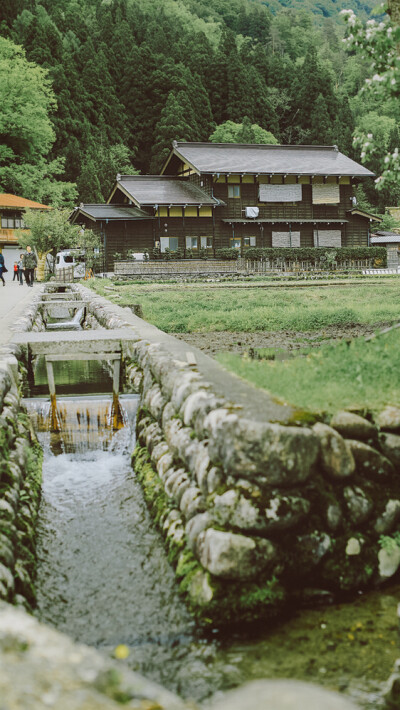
<point x="204" y="267"/>
<point x="65" y="275"/>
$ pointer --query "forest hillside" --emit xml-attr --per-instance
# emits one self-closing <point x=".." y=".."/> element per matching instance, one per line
<point x="124" y="78"/>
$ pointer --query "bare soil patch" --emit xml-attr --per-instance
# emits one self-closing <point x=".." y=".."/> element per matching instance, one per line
<point x="241" y="342"/>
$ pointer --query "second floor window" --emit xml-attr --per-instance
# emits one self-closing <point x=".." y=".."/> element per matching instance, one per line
<point x="234" y="191"/>
<point x="11" y="221"/>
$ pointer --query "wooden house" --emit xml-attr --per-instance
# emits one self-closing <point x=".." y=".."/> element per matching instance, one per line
<point x="229" y="195"/>
<point x="12" y="217"/>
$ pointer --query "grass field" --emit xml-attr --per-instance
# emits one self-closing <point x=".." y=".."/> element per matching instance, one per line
<point x="190" y="308"/>
<point x="360" y="374"/>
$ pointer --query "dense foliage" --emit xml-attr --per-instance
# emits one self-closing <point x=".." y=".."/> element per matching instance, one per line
<point x="129" y="76"/>
<point x="378" y="139"/>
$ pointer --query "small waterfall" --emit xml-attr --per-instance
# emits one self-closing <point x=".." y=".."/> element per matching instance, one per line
<point x="79" y="424"/>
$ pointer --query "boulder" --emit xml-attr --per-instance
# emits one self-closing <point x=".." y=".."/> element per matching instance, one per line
<point x="352" y="426"/>
<point x="283" y="512"/>
<point x="353" y="547"/>
<point x="271" y="453"/>
<point x="334" y="516"/>
<point x="369" y="461"/>
<point x="391" y="448"/>
<point x="282" y="695"/>
<point x="336" y="459"/>
<point x="389" y="561"/>
<point x="231" y="556"/>
<point x="386" y="522"/>
<point x="358" y="504"/>
<point x="389" y="419"/>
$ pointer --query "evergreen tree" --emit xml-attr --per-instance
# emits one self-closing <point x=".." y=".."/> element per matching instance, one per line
<point x="320" y="124"/>
<point x="172" y="125"/>
<point x="88" y="184"/>
<point x="245" y="132"/>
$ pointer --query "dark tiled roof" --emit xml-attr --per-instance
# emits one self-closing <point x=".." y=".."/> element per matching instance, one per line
<point x="113" y="212"/>
<point x="387" y="238"/>
<point x="156" y="190"/>
<point x="268" y="159"/>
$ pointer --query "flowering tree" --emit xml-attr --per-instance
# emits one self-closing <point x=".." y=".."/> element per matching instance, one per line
<point x="379" y="41"/>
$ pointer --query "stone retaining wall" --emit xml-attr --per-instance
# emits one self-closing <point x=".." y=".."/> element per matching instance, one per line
<point x="41" y="668"/>
<point x="20" y="478"/>
<point x="258" y="505"/>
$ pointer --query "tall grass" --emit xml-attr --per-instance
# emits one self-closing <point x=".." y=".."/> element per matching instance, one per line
<point x="185" y="308"/>
<point x="357" y="374"/>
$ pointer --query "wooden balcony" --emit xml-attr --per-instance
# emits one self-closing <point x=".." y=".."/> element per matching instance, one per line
<point x="8" y="236"/>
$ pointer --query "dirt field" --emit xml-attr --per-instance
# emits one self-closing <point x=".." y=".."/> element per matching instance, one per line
<point x="222" y="341"/>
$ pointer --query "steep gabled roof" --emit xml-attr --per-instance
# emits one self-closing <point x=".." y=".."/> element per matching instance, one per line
<point x="161" y="190"/>
<point x="13" y="201"/>
<point x="110" y="212"/>
<point x="223" y="158"/>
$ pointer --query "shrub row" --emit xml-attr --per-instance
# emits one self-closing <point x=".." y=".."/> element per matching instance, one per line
<point x="316" y="255"/>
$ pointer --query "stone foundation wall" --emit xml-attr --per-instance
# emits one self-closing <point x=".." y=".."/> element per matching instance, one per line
<point x="259" y="505"/>
<point x="41" y="668"/>
<point x="20" y="478"/>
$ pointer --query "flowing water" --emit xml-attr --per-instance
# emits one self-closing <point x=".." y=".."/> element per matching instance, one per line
<point x="104" y="579"/>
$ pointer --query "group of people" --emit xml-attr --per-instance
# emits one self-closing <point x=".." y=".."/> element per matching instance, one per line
<point x="24" y="267"/>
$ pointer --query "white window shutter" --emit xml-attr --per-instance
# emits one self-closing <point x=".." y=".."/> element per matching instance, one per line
<point x="325" y="194"/>
<point x="280" y="193"/>
<point x="285" y="239"/>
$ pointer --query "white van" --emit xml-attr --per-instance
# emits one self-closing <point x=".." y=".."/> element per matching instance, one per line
<point x="71" y="257"/>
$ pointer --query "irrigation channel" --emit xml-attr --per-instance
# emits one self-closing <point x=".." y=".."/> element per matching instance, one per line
<point x="103" y="577"/>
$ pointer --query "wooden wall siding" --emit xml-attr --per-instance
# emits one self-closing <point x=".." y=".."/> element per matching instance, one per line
<point x="298" y="210"/>
<point x="327" y="238"/>
<point x="356" y="232"/>
<point x="285" y="239"/>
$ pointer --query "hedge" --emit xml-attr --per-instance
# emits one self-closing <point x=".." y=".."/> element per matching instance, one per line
<point x="317" y="255"/>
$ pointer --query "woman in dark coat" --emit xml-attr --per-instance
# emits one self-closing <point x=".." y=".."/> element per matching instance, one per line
<point x="2" y="268"/>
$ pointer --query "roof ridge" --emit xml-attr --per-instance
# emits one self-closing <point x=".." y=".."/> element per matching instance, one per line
<point x="153" y="177"/>
<point x="275" y="146"/>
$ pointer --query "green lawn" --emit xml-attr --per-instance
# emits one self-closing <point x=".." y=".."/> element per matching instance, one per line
<point x="186" y="308"/>
<point x="361" y="374"/>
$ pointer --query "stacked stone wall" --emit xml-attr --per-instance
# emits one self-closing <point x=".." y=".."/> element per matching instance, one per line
<point x="256" y="513"/>
<point x="20" y="476"/>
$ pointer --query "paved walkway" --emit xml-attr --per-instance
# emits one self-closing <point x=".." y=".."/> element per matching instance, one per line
<point x="13" y="302"/>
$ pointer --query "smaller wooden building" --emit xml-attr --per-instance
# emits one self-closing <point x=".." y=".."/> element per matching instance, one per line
<point x="390" y="240"/>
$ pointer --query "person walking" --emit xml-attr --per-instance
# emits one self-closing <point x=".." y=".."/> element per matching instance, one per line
<point x="29" y="264"/>
<point x="21" y="270"/>
<point x="2" y="268"/>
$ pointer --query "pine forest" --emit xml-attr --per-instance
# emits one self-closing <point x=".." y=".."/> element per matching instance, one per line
<point x="104" y="86"/>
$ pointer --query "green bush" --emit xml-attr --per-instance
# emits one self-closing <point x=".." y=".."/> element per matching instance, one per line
<point x="316" y="255"/>
<point x="227" y="254"/>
